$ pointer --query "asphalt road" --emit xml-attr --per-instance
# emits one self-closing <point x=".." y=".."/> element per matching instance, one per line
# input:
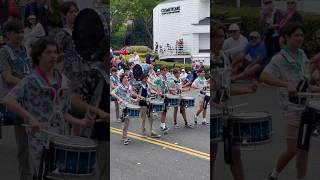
<point x="260" y="161"/>
<point x="146" y="160"/>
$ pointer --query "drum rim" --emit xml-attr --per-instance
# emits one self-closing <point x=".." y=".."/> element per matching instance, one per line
<point x="171" y="95"/>
<point x="255" y="143"/>
<point x="313" y="106"/>
<point x="75" y="175"/>
<point x="154" y="102"/>
<point x="132" y="106"/>
<point x="267" y="116"/>
<point x="62" y="144"/>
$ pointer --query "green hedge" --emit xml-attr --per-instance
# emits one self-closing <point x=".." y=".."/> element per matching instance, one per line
<point x="139" y="49"/>
<point x="250" y="17"/>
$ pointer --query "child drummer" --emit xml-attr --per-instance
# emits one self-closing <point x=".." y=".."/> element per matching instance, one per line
<point x="201" y="83"/>
<point x="123" y="93"/>
<point x="113" y="84"/>
<point x="175" y="88"/>
<point x="46" y="99"/>
<point x="145" y="109"/>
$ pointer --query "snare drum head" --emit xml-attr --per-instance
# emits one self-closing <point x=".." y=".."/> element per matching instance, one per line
<point x="187" y="98"/>
<point x="314" y="105"/>
<point x="249" y="116"/>
<point x="132" y="106"/>
<point x="74" y="142"/>
<point x="156" y="102"/>
<point x="171" y="96"/>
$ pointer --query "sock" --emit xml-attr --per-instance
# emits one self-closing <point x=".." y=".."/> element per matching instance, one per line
<point x="204" y="120"/>
<point x="274" y="174"/>
<point x="163" y="125"/>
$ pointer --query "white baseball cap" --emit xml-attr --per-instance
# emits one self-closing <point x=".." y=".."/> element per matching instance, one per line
<point x="234" y="27"/>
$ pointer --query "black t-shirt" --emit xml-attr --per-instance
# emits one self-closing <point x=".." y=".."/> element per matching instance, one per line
<point x="144" y="93"/>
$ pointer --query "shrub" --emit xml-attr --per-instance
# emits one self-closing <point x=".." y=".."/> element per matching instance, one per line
<point x="139" y="49"/>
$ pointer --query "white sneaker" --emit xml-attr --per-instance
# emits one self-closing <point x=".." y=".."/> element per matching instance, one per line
<point x="195" y="118"/>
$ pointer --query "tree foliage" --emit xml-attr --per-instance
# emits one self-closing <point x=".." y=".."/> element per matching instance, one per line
<point x="137" y="10"/>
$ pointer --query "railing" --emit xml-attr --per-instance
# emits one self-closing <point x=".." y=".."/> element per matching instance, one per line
<point x="173" y="51"/>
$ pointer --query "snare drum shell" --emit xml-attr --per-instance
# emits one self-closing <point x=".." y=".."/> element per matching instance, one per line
<point x="252" y="128"/>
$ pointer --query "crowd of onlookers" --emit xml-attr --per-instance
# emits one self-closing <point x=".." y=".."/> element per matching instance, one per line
<point x="249" y="55"/>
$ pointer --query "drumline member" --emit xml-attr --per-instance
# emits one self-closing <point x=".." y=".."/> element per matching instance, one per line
<point x="161" y="84"/>
<point x="114" y="83"/>
<point x="14" y="66"/>
<point x="87" y="75"/>
<point x="145" y="92"/>
<point x="287" y="70"/>
<point x="175" y="88"/>
<point x="201" y="83"/>
<point x="123" y="93"/>
<point x="130" y="74"/>
<point x="50" y="109"/>
<point x="222" y="82"/>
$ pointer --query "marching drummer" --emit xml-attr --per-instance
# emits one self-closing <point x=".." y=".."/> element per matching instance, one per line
<point x="161" y="84"/>
<point x="145" y="111"/>
<point x="123" y="93"/>
<point x="201" y="83"/>
<point x="11" y="73"/>
<point x="175" y="88"/>
<point x="113" y="84"/>
<point x="50" y="110"/>
<point x="221" y="81"/>
<point x="281" y="72"/>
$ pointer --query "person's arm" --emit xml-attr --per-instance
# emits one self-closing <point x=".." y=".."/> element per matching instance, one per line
<point x="314" y="63"/>
<point x="9" y="78"/>
<point x="237" y="90"/>
<point x="85" y="122"/>
<point x="83" y="106"/>
<point x="14" y="106"/>
<point x="238" y="59"/>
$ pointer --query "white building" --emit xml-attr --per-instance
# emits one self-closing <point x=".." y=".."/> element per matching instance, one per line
<point x="188" y="20"/>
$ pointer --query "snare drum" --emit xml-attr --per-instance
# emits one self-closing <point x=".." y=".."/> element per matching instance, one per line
<point x="216" y="124"/>
<point x="187" y="102"/>
<point x="156" y="106"/>
<point x="251" y="128"/>
<point x="173" y="100"/>
<point x="133" y="111"/>
<point x="314" y="107"/>
<point x="72" y="155"/>
<point x="8" y="117"/>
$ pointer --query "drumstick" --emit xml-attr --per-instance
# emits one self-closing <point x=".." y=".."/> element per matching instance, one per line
<point x="46" y="131"/>
<point x="308" y="94"/>
<point x="239" y="105"/>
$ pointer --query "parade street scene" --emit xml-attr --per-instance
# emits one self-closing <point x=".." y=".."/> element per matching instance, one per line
<point x="160" y="90"/>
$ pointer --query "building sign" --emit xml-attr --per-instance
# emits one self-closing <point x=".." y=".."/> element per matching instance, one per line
<point x="170" y="10"/>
